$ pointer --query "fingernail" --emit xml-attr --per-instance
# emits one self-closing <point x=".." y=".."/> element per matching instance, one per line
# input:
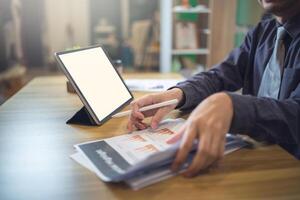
<point x="154" y="125"/>
<point x="169" y="141"/>
<point x="172" y="140"/>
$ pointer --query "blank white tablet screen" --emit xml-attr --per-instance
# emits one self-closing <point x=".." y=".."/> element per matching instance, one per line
<point x="97" y="80"/>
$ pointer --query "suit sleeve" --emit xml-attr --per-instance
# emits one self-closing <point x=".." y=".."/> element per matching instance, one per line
<point x="226" y="76"/>
<point x="264" y="118"/>
<point x="268" y="119"/>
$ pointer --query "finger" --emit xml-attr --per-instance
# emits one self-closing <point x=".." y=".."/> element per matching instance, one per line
<point x="150" y="113"/>
<point x="217" y="148"/>
<point x="132" y="121"/>
<point x="136" y="123"/>
<point x="185" y="146"/>
<point x="130" y="126"/>
<point x="136" y="114"/>
<point x="145" y="100"/>
<point x="177" y="136"/>
<point x="134" y="118"/>
<point x="216" y="142"/>
<point x="148" y="100"/>
<point x="158" y="117"/>
<point x="140" y="125"/>
<point x="218" y="161"/>
<point x="201" y="157"/>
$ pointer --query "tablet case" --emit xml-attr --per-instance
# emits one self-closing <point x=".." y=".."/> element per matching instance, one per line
<point x="82" y="117"/>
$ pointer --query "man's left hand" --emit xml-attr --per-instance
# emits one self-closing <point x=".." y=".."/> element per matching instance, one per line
<point x="208" y="123"/>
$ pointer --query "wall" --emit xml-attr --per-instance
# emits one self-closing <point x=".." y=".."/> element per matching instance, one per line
<point x="67" y="23"/>
<point x="32" y="20"/>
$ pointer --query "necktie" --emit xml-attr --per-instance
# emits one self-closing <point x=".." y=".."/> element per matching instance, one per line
<point x="270" y="83"/>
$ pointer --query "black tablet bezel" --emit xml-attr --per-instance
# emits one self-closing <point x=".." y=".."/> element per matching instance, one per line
<point x="81" y="96"/>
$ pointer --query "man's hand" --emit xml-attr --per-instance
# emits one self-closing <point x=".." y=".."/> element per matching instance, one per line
<point x="208" y="123"/>
<point x="137" y="117"/>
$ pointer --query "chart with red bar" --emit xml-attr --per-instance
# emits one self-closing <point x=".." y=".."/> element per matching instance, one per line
<point x="148" y="148"/>
<point x="164" y="131"/>
<point x="140" y="144"/>
<point x="136" y="138"/>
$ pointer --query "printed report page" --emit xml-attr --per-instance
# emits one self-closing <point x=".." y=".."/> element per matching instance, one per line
<point x="115" y="157"/>
<point x="139" y="145"/>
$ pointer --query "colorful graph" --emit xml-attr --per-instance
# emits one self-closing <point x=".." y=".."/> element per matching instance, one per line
<point x="137" y="138"/>
<point x="164" y="131"/>
<point x="148" y="148"/>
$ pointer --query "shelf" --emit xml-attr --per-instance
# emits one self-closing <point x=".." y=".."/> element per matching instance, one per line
<point x="198" y="9"/>
<point x="210" y="18"/>
<point x="201" y="51"/>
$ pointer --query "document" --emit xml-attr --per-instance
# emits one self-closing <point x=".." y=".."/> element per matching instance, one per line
<point x="150" y="85"/>
<point x="141" y="158"/>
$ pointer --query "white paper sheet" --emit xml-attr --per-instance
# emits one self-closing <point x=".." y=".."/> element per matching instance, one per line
<point x="155" y="176"/>
<point x="150" y="85"/>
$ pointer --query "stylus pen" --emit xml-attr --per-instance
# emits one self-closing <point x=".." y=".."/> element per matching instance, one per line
<point x="150" y="107"/>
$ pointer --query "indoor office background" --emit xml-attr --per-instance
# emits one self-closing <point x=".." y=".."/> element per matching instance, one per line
<point x="145" y="35"/>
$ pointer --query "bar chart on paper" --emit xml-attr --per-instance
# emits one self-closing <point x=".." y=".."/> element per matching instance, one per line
<point x="148" y="148"/>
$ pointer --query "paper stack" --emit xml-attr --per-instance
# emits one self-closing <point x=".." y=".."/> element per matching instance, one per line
<point x="150" y="85"/>
<point x="141" y="158"/>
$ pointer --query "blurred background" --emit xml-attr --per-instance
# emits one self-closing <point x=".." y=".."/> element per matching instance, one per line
<point x="184" y="36"/>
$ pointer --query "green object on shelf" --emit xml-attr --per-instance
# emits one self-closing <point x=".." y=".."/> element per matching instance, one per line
<point x="191" y="57"/>
<point x="189" y="16"/>
<point x="176" y="66"/>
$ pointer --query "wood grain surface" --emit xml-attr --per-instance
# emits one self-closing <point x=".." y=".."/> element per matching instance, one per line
<point x="35" y="144"/>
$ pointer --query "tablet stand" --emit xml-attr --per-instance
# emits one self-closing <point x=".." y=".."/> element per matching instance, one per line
<point x="82" y="117"/>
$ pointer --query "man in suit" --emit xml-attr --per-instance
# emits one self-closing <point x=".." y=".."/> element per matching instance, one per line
<point x="267" y="69"/>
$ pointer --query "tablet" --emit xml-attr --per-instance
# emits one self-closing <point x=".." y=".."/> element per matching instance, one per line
<point x="96" y="81"/>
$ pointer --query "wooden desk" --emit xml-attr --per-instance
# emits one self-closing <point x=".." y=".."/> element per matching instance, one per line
<point x="35" y="144"/>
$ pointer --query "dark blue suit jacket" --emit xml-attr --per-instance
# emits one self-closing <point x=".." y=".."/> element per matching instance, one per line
<point x="261" y="118"/>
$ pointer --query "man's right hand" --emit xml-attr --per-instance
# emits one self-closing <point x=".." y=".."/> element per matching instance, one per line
<point x="137" y="117"/>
